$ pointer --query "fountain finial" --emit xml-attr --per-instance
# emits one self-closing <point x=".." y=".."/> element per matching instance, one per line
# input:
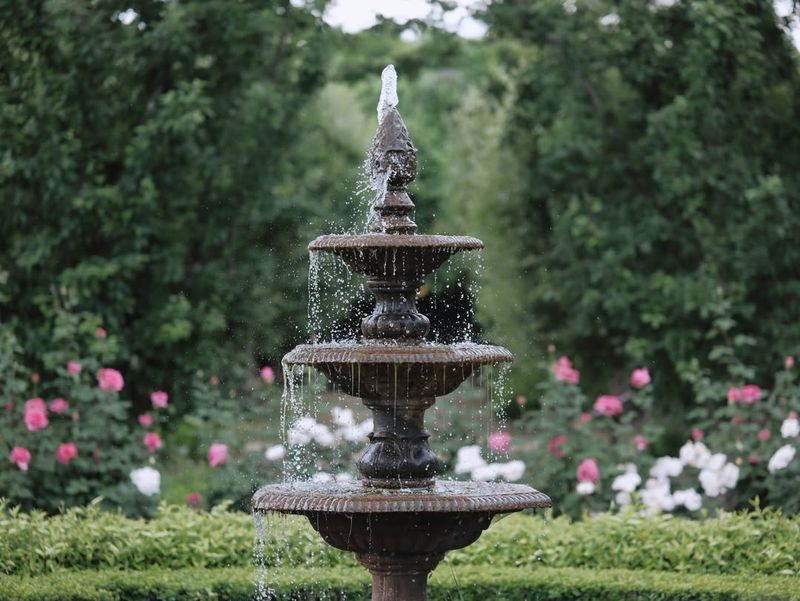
<point x="392" y="164"/>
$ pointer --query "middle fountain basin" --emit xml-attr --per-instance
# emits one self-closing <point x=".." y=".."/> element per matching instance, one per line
<point x="388" y="371"/>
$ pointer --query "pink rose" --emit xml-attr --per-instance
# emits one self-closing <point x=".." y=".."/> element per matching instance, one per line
<point x="21" y="456"/>
<point x="753" y="459"/>
<point x="788" y="362"/>
<point x="100" y="333"/>
<point x="59" y="405"/>
<point x="159" y="398"/>
<point x="267" y="374"/>
<point x="734" y="395"/>
<point x="193" y="499"/>
<point x="74" y="367"/>
<point x="152" y="441"/>
<point x="110" y="380"/>
<point x="737" y="420"/>
<point x="35" y="404"/>
<point x="640" y="442"/>
<point x="213" y="380"/>
<point x="145" y="420"/>
<point x="588" y="471"/>
<point x="697" y="434"/>
<point x="65" y="452"/>
<point x="763" y="435"/>
<point x="608" y="404"/>
<point x="35" y="377"/>
<point x="554" y="445"/>
<point x="36" y="419"/>
<point x="750" y="394"/>
<point x="586" y="417"/>
<point x="563" y="371"/>
<point x="793" y="415"/>
<point x="640" y="377"/>
<point x="217" y="454"/>
<point x="499" y="442"/>
<point x="521" y="400"/>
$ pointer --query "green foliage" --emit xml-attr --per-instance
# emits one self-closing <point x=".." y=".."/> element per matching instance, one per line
<point x="150" y="174"/>
<point x="630" y="177"/>
<point x="465" y="584"/>
<point x="760" y="542"/>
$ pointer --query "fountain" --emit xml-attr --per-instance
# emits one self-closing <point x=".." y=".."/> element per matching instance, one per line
<point x="399" y="520"/>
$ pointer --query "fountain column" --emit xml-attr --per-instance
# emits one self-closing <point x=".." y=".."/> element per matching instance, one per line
<point x="396" y="578"/>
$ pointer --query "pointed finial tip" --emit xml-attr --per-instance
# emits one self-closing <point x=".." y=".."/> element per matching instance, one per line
<point x="388" y="99"/>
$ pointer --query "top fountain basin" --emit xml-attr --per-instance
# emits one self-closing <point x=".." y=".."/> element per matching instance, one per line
<point x="410" y="257"/>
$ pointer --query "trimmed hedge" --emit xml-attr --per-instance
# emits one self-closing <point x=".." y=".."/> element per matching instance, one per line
<point x="759" y="542"/>
<point x="447" y="584"/>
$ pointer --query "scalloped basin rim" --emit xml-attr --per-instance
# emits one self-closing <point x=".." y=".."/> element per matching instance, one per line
<point x="352" y="497"/>
<point x="426" y="353"/>
<point x="339" y="242"/>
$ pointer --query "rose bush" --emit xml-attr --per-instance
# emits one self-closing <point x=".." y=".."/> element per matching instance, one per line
<point x="65" y="432"/>
<point x="741" y="440"/>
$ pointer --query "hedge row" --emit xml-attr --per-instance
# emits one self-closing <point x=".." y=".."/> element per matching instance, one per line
<point x="447" y="584"/>
<point x="759" y="542"/>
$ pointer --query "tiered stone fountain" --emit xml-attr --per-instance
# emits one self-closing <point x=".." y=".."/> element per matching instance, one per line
<point x="399" y="520"/>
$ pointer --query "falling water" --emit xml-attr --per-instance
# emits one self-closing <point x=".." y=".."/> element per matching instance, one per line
<point x="264" y="592"/>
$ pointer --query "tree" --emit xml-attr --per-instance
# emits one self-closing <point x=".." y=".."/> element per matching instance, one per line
<point x="146" y="163"/>
<point x="651" y="177"/>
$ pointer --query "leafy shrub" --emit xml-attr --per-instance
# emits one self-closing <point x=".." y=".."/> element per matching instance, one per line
<point x="760" y="542"/>
<point x="466" y="584"/>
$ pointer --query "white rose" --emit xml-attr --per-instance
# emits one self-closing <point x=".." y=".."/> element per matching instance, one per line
<point x="322" y="435"/>
<point x="695" y="454"/>
<point x="656" y="496"/>
<point x="689" y="498"/>
<point x="147" y="481"/>
<point x="513" y="470"/>
<point x="486" y="473"/>
<point x="342" y="417"/>
<point x="623" y="499"/>
<point x="626" y="482"/>
<point x="468" y="459"/>
<point x="782" y="458"/>
<point x="729" y="475"/>
<point x="666" y="467"/>
<point x="585" y="488"/>
<point x="275" y="453"/>
<point x="366" y="427"/>
<point x="790" y="428"/>
<point x="352" y="434"/>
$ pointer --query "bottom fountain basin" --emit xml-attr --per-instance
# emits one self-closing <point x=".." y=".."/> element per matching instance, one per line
<point x="395" y="523"/>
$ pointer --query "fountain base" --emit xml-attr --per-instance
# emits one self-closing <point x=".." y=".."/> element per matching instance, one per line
<point x="400" y="536"/>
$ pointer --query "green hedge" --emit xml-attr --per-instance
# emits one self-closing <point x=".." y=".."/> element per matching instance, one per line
<point x="448" y="583"/>
<point x="759" y="542"/>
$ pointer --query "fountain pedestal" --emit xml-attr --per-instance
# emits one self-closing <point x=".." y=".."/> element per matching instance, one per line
<point x="399" y="521"/>
<point x="403" y="577"/>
